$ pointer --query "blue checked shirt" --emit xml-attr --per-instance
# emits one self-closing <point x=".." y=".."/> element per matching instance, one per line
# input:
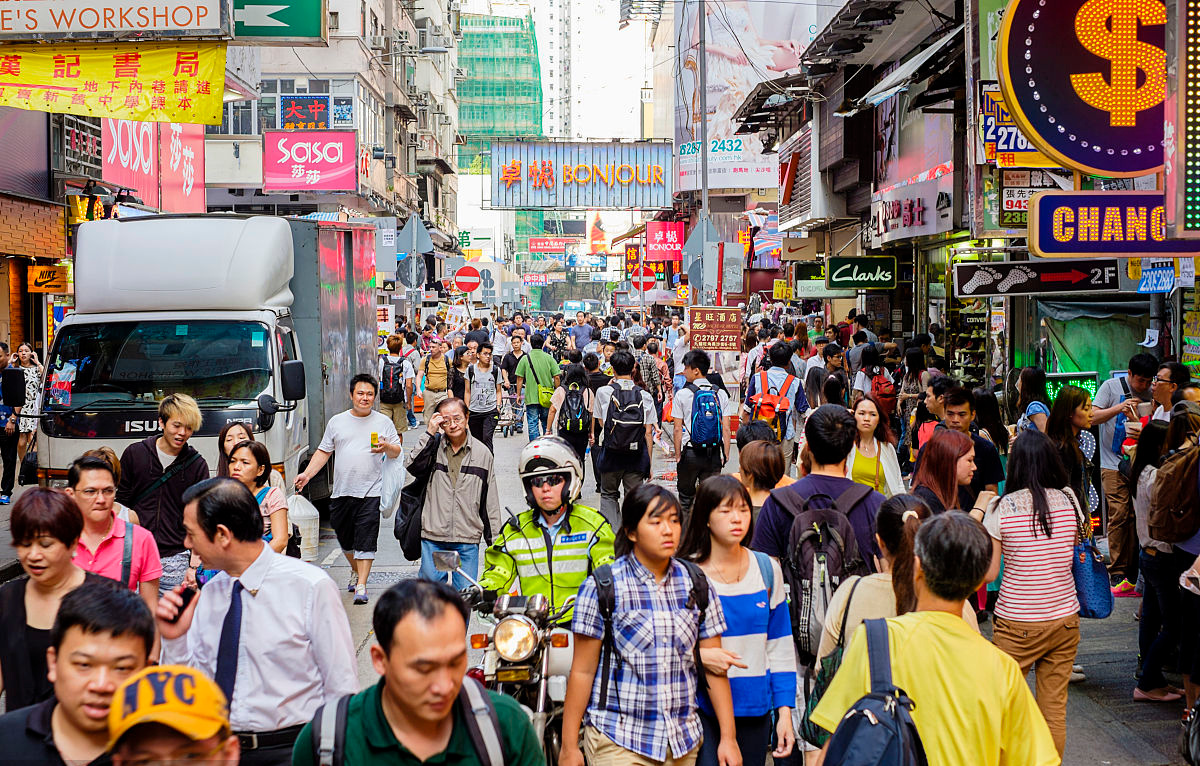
<point x="652" y="689"/>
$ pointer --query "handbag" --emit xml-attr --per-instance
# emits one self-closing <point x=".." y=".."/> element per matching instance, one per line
<point x="29" y="469"/>
<point x="1088" y="570"/>
<point x="544" y="394"/>
<point x="809" y="731"/>
<point x="407" y="528"/>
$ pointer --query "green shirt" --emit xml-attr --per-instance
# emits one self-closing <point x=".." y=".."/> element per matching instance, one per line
<point x="369" y="738"/>
<point x="544" y="371"/>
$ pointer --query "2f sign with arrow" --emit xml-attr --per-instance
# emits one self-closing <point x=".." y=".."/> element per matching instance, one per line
<point x="280" y="22"/>
<point x="1001" y="278"/>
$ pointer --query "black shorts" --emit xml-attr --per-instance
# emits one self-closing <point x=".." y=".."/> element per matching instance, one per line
<point x="356" y="522"/>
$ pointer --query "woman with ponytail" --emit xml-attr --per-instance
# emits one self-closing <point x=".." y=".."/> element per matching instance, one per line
<point x="1035" y="525"/>
<point x="890" y="591"/>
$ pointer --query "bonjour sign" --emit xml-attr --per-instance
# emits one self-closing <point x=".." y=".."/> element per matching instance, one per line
<point x="870" y="272"/>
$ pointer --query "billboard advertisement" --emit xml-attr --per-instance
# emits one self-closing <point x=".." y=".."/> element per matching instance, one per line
<point x="746" y="44"/>
<point x="531" y="175"/>
<point x="181" y="157"/>
<point x="131" y="157"/>
<point x="310" y="160"/>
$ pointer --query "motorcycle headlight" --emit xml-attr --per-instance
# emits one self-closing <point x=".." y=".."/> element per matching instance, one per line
<point x="515" y="639"/>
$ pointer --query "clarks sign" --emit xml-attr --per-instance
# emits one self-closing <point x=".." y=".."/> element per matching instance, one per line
<point x="877" y="272"/>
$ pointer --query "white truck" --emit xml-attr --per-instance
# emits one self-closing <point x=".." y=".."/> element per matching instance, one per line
<point x="263" y="320"/>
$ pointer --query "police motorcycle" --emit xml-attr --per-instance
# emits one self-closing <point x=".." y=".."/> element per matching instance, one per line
<point x="526" y="655"/>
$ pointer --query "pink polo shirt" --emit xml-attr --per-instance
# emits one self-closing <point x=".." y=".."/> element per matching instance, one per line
<point x="145" y="565"/>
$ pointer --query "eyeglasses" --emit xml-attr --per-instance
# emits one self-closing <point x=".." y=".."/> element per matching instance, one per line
<point x="453" y="419"/>
<point x="537" y="482"/>
<point x="1162" y="380"/>
<point x="91" y="492"/>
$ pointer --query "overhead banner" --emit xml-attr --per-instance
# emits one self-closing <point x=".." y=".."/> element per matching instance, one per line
<point x="1086" y="79"/>
<point x="581" y="175"/>
<point x="52" y="19"/>
<point x="1126" y="224"/>
<point x="747" y="43"/>
<point x="182" y="82"/>
<point x="310" y="160"/>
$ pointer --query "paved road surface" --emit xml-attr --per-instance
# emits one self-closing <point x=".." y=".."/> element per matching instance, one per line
<point x="1105" y="726"/>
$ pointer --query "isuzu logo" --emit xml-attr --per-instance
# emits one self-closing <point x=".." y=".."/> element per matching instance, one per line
<point x="142" y="426"/>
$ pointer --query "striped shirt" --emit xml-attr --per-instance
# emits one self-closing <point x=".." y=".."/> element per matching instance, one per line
<point x="761" y="634"/>
<point x="1037" y="585"/>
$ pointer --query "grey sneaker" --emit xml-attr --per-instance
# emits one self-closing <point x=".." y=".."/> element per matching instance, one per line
<point x="360" y="594"/>
<point x="350" y="586"/>
<point x="1077" y="674"/>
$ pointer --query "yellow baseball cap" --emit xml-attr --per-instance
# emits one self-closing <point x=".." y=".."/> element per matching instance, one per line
<point x="182" y="698"/>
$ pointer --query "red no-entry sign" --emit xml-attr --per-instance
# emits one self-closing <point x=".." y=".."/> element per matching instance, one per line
<point x="642" y="279"/>
<point x="466" y="279"/>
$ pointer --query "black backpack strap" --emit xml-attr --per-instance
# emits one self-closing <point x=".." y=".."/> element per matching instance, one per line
<point x="879" y="656"/>
<point x="606" y="597"/>
<point x="847" y="501"/>
<point x="127" y="555"/>
<point x="699" y="599"/>
<point x="168" y="474"/>
<point x="328" y="733"/>
<point x="482" y="722"/>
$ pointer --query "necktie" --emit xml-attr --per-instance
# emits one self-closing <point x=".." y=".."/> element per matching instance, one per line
<point x="227" y="649"/>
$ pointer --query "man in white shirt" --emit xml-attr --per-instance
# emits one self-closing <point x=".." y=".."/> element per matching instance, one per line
<point x="359" y="436"/>
<point x="623" y="434"/>
<point x="816" y="361"/>
<point x="270" y="630"/>
<point x="697" y="462"/>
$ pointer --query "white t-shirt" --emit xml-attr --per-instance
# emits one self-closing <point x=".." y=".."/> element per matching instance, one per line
<point x="862" y="382"/>
<point x="357" y="472"/>
<point x="681" y="408"/>
<point x="604" y="396"/>
<point x="815" y="361"/>
<point x="483" y="387"/>
<point x="163" y="457"/>
<point x="677" y="353"/>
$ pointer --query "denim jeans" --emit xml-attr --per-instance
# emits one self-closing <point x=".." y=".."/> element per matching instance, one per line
<point x="535" y="415"/>
<point x="470" y="561"/>
<point x="1159" y="628"/>
<point x="412" y="419"/>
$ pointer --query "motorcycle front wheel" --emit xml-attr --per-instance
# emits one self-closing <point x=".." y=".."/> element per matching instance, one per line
<point x="552" y="741"/>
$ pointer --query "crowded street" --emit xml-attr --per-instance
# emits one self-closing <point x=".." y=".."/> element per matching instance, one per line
<point x="624" y="383"/>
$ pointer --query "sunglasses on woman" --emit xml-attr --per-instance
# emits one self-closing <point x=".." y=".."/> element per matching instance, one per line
<point x="543" y="481"/>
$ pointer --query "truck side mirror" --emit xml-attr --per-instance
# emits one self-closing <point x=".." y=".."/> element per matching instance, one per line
<point x="291" y="380"/>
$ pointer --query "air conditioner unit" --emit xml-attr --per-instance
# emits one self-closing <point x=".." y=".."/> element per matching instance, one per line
<point x="443" y="119"/>
<point x="412" y="140"/>
<point x="439" y="110"/>
<point x="460" y="73"/>
<point x="411" y="91"/>
<point x="402" y="35"/>
<point x="379" y="43"/>
<point x="408" y="49"/>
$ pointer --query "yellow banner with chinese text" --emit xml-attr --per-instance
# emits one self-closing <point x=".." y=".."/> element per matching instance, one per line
<point x="177" y="82"/>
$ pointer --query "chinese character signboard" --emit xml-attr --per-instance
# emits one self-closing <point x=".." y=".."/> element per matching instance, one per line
<point x="318" y="160"/>
<point x="181" y="157"/>
<point x="1017" y="187"/>
<point x="601" y="175"/>
<point x="1003" y="144"/>
<point x="56" y="19"/>
<point x="1085" y="80"/>
<point x="664" y="241"/>
<point x="1125" y="224"/>
<point x="715" y="328"/>
<point x="530" y="280"/>
<point x="631" y="263"/>
<point x="551" y="244"/>
<point x="913" y="210"/>
<point x="163" y="164"/>
<point x="304" y="112"/>
<point x="146" y="83"/>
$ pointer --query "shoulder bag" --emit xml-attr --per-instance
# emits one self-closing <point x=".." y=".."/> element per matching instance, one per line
<point x="1088" y="570"/>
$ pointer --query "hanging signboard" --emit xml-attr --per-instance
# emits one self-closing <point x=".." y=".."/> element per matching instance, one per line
<point x="631" y="263"/>
<point x="47" y="279"/>
<point x="664" y="241"/>
<point x="1003" y="278"/>
<point x="869" y="272"/>
<point x="1125" y="224"/>
<point x="1017" y="187"/>
<point x="1003" y="143"/>
<point x="304" y="112"/>
<point x="318" y="160"/>
<point x="715" y="328"/>
<point x="1085" y="81"/>
<point x="178" y="82"/>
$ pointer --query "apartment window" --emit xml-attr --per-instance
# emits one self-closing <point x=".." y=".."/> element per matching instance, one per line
<point x="362" y="14"/>
<point x="333" y="20"/>
<point x="287" y="86"/>
<point x="269" y="86"/>
<point x="268" y="113"/>
<point x="374" y="25"/>
<point x="318" y="86"/>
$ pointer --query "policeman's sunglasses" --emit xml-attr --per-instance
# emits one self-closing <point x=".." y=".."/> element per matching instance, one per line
<point x="538" y="482"/>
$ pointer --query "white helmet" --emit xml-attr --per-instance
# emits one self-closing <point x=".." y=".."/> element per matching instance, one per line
<point x="551" y="456"/>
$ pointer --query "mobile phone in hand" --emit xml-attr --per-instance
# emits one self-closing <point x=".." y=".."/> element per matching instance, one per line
<point x="187" y="594"/>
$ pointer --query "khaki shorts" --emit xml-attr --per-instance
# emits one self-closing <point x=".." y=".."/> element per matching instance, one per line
<point x="602" y="751"/>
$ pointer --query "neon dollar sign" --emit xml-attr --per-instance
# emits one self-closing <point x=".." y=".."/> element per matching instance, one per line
<point x="1120" y="95"/>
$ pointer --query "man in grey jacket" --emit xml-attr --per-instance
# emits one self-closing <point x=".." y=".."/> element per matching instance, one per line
<point x="462" y="505"/>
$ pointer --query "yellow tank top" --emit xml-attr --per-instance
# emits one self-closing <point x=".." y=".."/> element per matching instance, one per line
<point x="867" y="471"/>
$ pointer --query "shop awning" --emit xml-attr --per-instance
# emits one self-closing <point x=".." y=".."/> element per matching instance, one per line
<point x="904" y="75"/>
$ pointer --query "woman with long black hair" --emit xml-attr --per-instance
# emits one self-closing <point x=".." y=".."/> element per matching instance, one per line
<point x="1035" y="526"/>
<point x="574" y="381"/>
<point x="1067" y="428"/>
<point x="1033" y="402"/>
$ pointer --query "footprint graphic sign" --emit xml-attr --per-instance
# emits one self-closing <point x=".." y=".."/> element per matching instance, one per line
<point x="1001" y="278"/>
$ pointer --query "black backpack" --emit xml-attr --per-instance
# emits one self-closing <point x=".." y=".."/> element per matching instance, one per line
<point x="606" y="597"/>
<point x="625" y="422"/>
<point x="822" y="551"/>
<point x="878" y="730"/>
<point x="478" y="713"/>
<point x="391" y="382"/>
<point x="574" y="417"/>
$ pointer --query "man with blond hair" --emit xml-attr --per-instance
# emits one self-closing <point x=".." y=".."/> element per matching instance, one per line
<point x="155" y="472"/>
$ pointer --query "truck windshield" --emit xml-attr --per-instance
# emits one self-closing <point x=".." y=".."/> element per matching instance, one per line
<point x="145" y="361"/>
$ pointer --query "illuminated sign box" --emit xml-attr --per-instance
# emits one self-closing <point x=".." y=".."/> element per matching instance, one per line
<point x="1126" y="224"/>
<point x="530" y="175"/>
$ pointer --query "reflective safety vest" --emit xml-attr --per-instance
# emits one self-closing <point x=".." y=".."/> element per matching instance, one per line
<point x="525" y="559"/>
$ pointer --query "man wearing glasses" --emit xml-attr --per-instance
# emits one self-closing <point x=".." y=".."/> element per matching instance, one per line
<point x="1169" y="378"/>
<point x="461" y="503"/>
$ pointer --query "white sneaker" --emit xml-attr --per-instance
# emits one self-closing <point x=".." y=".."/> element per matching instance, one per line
<point x="350" y="586"/>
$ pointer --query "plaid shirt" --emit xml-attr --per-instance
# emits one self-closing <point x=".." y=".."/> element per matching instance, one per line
<point x="649" y="372"/>
<point x="652" y="688"/>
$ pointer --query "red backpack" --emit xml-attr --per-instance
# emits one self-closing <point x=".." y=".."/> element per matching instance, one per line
<point x="884" y="389"/>
<point x="772" y="408"/>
